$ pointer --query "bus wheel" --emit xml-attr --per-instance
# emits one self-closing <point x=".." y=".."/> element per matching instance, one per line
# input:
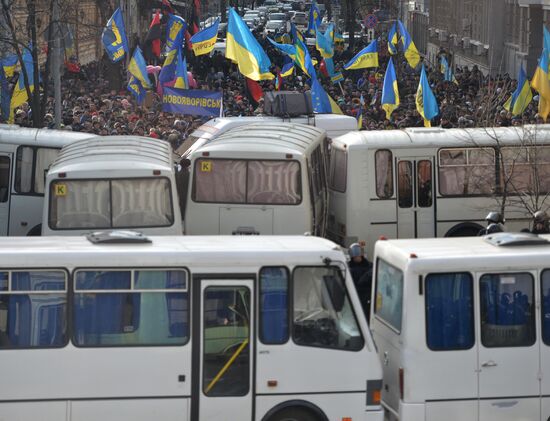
<point x="35" y="232"/>
<point x="294" y="414"/>
<point x="466" y="229"/>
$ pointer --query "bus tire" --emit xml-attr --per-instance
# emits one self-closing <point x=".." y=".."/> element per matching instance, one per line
<point x="465" y="229"/>
<point x="295" y="411"/>
<point x="36" y="231"/>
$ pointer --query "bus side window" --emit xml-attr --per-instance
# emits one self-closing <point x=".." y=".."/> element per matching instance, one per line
<point x="274" y="305"/>
<point x="507" y="309"/>
<point x="405" y="184"/>
<point x="449" y="311"/>
<point x="23" y="169"/>
<point x="384" y="173"/>
<point x="4" y="178"/>
<point x="545" y="307"/>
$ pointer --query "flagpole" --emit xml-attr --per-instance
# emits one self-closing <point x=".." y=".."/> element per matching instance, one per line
<point x="221" y="107"/>
<point x="342" y="89"/>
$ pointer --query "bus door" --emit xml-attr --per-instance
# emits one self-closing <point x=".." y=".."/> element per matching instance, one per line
<point x="222" y="389"/>
<point x="415" y="198"/>
<point x="508" y="350"/>
<point x="5" y="171"/>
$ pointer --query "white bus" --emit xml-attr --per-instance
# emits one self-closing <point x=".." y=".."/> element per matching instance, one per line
<point x="183" y="329"/>
<point x="334" y="124"/>
<point x="462" y="327"/>
<point x="259" y="179"/>
<point x="114" y="182"/>
<point x="25" y="155"/>
<point x="433" y="182"/>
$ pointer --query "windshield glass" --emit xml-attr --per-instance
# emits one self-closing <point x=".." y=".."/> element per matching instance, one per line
<point x="323" y="315"/>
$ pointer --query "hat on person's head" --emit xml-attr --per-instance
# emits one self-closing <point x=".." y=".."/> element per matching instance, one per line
<point x="355" y="250"/>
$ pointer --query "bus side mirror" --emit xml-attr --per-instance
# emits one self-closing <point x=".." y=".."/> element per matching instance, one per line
<point x="336" y="292"/>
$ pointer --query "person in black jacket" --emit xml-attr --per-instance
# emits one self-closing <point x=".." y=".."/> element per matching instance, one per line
<point x="361" y="272"/>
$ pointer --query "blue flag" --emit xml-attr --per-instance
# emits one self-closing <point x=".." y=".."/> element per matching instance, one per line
<point x="191" y="102"/>
<point x="322" y="102"/>
<point x="8" y="64"/>
<point x="168" y="71"/>
<point x="175" y="29"/>
<point x="134" y="86"/>
<point x="114" y="37"/>
<point x="182" y="81"/>
<point x="426" y="104"/>
<point x="138" y="68"/>
<point x="314" y="20"/>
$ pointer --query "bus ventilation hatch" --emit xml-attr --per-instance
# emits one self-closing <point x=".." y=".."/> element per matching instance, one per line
<point x="515" y="239"/>
<point x="117" y="237"/>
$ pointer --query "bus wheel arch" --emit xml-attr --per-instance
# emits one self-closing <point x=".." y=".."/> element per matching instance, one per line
<point x="295" y="410"/>
<point x="35" y="231"/>
<point x="464" y="229"/>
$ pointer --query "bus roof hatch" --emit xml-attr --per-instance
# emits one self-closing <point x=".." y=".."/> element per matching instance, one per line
<point x="515" y="239"/>
<point x="117" y="237"/>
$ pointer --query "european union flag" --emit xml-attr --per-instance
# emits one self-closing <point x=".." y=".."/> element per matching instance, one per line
<point x="426" y="104"/>
<point x="175" y="29"/>
<point x="134" y="86"/>
<point x="203" y="41"/>
<point x="390" y="92"/>
<point x="322" y="102"/>
<point x="244" y="50"/>
<point x="367" y="57"/>
<point x="138" y="68"/>
<point x="114" y="37"/>
<point x="521" y="97"/>
<point x="314" y="20"/>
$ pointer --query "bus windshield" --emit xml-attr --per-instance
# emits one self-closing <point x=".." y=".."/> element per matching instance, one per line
<point x="274" y="182"/>
<point x="120" y="203"/>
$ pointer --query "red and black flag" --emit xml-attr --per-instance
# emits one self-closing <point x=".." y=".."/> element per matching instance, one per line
<point x="153" y="36"/>
<point x="254" y="91"/>
<point x="196" y="16"/>
<point x="167" y="7"/>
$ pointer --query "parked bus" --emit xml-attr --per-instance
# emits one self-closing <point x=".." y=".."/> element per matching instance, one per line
<point x="25" y="155"/>
<point x="183" y="328"/>
<point x="259" y="179"/>
<point x="115" y="182"/>
<point x="462" y="327"/>
<point x="334" y="124"/>
<point x="433" y="182"/>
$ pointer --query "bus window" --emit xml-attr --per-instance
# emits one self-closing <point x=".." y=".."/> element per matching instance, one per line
<point x="384" y="174"/>
<point x="33" y="309"/>
<point x="125" y="308"/>
<point x="507" y="316"/>
<point x="33" y="162"/>
<point x="545" y="286"/>
<point x="274" y="305"/>
<point x="449" y="311"/>
<point x="220" y="181"/>
<point x="389" y="294"/>
<point x="44" y="158"/>
<point x="273" y="182"/>
<point x="322" y="313"/>
<point x="404" y="182"/>
<point x="4" y="178"/>
<point x="424" y="180"/>
<point x="23" y="169"/>
<point x="338" y="169"/>
<point x="226" y="370"/>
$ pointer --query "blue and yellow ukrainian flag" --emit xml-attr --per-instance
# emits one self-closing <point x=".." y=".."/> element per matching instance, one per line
<point x="390" y="91"/>
<point x="359" y="117"/>
<point x="302" y="57"/>
<point x="322" y="102"/>
<point x="426" y="104"/>
<point x="8" y="64"/>
<point x="114" y="37"/>
<point x="411" y="53"/>
<point x="288" y="49"/>
<point x="334" y="77"/>
<point x="325" y="42"/>
<point x="314" y="20"/>
<point x="134" y="86"/>
<point x="244" y="50"/>
<point x="175" y="29"/>
<point x="19" y="94"/>
<point x="203" y="41"/>
<point x="338" y="37"/>
<point x="521" y="97"/>
<point x="138" y="68"/>
<point x="392" y="39"/>
<point x="541" y="84"/>
<point x="367" y="57"/>
<point x="447" y="71"/>
<point x="182" y="82"/>
<point x="288" y="69"/>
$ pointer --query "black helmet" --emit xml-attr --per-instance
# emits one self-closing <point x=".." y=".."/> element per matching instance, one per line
<point x="494" y="217"/>
<point x="540" y="216"/>
<point x="494" y="228"/>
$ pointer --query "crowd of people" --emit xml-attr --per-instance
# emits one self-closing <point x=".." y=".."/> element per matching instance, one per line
<point x="91" y="104"/>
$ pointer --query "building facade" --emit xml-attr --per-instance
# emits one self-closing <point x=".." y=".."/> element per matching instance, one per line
<point x="498" y="36"/>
